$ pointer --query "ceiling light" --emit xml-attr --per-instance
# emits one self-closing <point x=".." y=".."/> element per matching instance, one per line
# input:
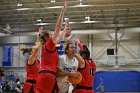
<point x="56" y="7"/>
<point x="87" y="18"/>
<point x="19" y="4"/>
<point x="89" y="21"/>
<point x="71" y="22"/>
<point x="53" y="7"/>
<point x="82" y="5"/>
<point x="66" y="19"/>
<point x="23" y="9"/>
<point x="39" y="20"/>
<point x="52" y="1"/>
<point x="40" y="24"/>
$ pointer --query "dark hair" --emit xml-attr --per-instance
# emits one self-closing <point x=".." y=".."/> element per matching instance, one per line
<point x="85" y="51"/>
<point x="85" y="47"/>
<point x="43" y="36"/>
<point x="67" y="46"/>
<point x="26" y="50"/>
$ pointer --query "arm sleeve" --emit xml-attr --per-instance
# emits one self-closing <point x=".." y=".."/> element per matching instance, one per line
<point x="80" y="46"/>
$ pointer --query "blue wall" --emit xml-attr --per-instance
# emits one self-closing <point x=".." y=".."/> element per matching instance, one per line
<point x="7" y="56"/>
<point x="117" y="81"/>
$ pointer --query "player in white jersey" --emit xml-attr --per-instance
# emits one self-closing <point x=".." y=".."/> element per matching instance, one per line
<point x="68" y="65"/>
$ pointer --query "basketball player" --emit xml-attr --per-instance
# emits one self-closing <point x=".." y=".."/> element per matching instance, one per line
<point x="68" y="65"/>
<point x="46" y="81"/>
<point x="88" y="72"/>
<point x="32" y="67"/>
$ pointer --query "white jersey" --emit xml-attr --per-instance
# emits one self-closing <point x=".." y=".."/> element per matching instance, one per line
<point x="67" y="65"/>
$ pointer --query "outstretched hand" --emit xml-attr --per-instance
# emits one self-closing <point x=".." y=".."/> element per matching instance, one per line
<point x="77" y="39"/>
<point x="68" y="32"/>
<point x="65" y="5"/>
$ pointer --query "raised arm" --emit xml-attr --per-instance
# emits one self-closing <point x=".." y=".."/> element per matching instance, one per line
<point x="78" y="42"/>
<point x="34" y="53"/>
<point x="59" y="24"/>
<point x="80" y="60"/>
<point x="63" y="33"/>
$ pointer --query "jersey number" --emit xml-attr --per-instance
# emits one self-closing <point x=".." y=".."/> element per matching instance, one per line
<point x="92" y="72"/>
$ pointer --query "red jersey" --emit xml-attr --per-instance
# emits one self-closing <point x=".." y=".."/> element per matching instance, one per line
<point x="49" y="57"/>
<point x="88" y="74"/>
<point x="32" y="70"/>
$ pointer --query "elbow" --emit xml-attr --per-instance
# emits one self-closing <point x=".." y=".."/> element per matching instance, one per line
<point x="83" y="62"/>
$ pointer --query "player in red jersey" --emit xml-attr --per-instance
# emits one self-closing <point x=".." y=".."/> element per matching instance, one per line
<point x="46" y="81"/>
<point x="32" y="67"/>
<point x="88" y="72"/>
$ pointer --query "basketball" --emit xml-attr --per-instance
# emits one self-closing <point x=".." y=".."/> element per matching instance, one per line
<point x="75" y="80"/>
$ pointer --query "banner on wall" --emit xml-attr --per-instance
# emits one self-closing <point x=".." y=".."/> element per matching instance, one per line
<point x="7" y="56"/>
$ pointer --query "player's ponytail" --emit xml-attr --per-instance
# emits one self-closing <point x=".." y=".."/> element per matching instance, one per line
<point x="85" y="53"/>
<point x="25" y="49"/>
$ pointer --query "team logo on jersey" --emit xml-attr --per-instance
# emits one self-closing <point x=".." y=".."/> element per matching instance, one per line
<point x="69" y="69"/>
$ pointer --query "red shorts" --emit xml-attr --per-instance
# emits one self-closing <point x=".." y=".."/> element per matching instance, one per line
<point x="82" y="91"/>
<point x="46" y="83"/>
<point x="27" y="87"/>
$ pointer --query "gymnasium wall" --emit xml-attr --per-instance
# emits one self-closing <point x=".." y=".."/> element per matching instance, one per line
<point x="99" y="43"/>
<point x="1" y="56"/>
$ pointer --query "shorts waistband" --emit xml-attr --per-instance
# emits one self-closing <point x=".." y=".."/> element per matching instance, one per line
<point x="31" y="81"/>
<point x="84" y="87"/>
<point x="47" y="71"/>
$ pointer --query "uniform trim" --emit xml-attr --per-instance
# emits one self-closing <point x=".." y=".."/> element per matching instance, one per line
<point x="47" y="71"/>
<point x="84" y="87"/>
<point x="31" y="81"/>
